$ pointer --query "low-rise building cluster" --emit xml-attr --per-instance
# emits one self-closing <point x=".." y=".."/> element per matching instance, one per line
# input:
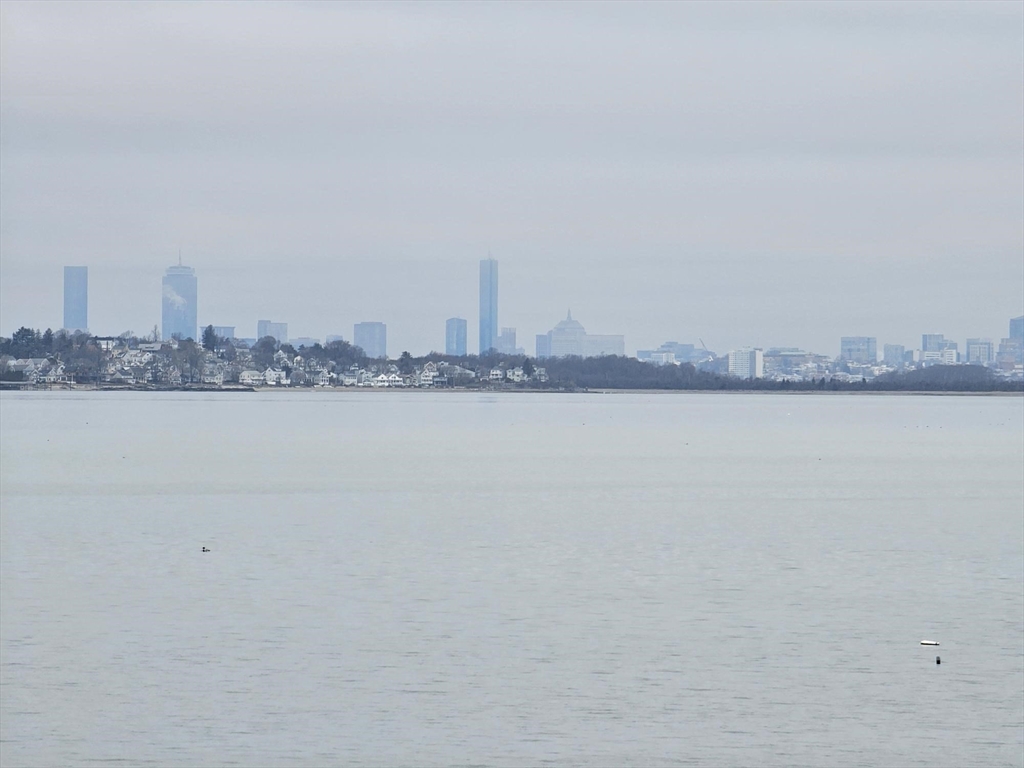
<point x="858" y="358"/>
<point x="128" y="361"/>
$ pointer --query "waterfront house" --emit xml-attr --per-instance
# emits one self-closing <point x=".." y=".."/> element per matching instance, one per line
<point x="251" y="378"/>
<point x="427" y="375"/>
<point x="275" y="377"/>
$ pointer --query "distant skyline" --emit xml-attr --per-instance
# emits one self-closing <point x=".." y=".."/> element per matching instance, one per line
<point x="180" y="304"/>
<point x="770" y="174"/>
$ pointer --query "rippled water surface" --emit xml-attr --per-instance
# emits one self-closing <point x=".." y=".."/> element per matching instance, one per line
<point x="521" y="579"/>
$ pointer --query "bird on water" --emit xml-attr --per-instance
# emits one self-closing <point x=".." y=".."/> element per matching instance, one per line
<point x="205" y="549"/>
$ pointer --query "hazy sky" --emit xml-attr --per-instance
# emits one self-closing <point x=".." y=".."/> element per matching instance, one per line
<point x="769" y="174"/>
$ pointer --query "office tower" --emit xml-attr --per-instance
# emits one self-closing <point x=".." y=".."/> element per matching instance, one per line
<point x="858" y="349"/>
<point x="372" y="338"/>
<point x="980" y="351"/>
<point x="76" y="298"/>
<point x="893" y="355"/>
<point x="180" y="304"/>
<point x="506" y="343"/>
<point x="543" y="345"/>
<point x="224" y="331"/>
<point x="488" y="305"/>
<point x="276" y="331"/>
<point x="1010" y="353"/>
<point x="455" y="337"/>
<point x="747" y="363"/>
<point x="936" y="348"/>
<point x="1017" y="328"/>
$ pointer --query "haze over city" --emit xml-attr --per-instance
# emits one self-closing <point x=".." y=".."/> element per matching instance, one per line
<point x="746" y="174"/>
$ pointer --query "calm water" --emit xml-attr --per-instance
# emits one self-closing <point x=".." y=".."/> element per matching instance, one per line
<point x="442" y="578"/>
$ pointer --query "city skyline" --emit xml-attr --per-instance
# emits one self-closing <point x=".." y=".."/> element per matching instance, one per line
<point x="873" y="184"/>
<point x="180" y="308"/>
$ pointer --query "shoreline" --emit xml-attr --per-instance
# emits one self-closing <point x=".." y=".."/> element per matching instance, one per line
<point x="525" y="391"/>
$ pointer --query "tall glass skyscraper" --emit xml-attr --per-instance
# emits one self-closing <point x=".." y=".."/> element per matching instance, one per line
<point x="1016" y="325"/>
<point x="179" y="304"/>
<point x="372" y="338"/>
<point x="277" y="331"/>
<point x="488" y="305"/>
<point x="76" y="298"/>
<point x="455" y="337"/>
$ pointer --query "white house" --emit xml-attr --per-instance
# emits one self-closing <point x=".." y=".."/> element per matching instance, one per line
<point x="251" y="378"/>
<point x="275" y="377"/>
<point x="428" y="374"/>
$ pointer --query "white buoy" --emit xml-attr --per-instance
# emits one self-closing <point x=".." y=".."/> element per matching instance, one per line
<point x="928" y="642"/>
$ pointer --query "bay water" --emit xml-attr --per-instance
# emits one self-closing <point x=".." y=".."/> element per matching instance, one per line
<point x="451" y="578"/>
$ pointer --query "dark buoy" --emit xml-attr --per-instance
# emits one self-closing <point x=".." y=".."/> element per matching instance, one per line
<point x="938" y="660"/>
<point x="205" y="549"/>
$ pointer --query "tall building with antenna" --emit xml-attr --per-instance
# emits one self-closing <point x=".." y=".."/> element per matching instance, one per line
<point x="179" y="303"/>
<point x="488" y="305"/>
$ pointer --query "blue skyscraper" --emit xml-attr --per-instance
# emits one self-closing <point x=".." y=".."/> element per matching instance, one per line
<point x="372" y="338"/>
<point x="1016" y="325"/>
<point x="276" y="331"/>
<point x="76" y="298"/>
<point x="180" y="304"/>
<point x="543" y="345"/>
<point x="488" y="304"/>
<point x="455" y="337"/>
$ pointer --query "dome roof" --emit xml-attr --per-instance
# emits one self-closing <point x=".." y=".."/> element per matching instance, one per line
<point x="570" y="325"/>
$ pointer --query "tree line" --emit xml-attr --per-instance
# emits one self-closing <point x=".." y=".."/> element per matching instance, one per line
<point x="83" y="357"/>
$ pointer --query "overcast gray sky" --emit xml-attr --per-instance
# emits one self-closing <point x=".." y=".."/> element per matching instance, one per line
<point x="769" y="174"/>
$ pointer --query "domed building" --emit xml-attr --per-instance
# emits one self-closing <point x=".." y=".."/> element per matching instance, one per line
<point x="569" y="337"/>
